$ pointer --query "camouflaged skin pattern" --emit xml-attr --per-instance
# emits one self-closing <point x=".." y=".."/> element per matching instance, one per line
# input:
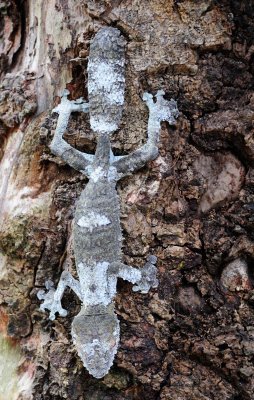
<point x="97" y="231"/>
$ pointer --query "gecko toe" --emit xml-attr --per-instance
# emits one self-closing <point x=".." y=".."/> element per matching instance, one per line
<point x="151" y="259"/>
<point x="63" y="313"/>
<point x="52" y="316"/>
<point x="41" y="294"/>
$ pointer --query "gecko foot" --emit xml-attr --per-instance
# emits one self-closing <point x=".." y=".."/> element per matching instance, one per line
<point x="148" y="279"/>
<point x="50" y="302"/>
<point x="162" y="110"/>
<point x="67" y="106"/>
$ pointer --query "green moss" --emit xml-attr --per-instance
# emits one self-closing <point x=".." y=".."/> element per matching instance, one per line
<point x="43" y="209"/>
<point x="14" y="238"/>
<point x="31" y="139"/>
<point x="118" y="380"/>
<point x="180" y="266"/>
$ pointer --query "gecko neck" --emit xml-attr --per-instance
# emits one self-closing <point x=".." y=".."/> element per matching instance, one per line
<point x="102" y="153"/>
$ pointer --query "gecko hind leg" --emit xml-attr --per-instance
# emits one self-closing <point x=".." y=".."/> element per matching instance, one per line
<point x="52" y="299"/>
<point x="143" y="278"/>
<point x="148" y="272"/>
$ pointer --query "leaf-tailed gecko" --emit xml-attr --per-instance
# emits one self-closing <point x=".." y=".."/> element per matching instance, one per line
<point x="97" y="231"/>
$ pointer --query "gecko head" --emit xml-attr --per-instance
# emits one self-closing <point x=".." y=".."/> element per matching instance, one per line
<point x="95" y="332"/>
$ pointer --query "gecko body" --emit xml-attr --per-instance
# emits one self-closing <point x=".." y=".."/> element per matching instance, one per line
<point x="97" y="231"/>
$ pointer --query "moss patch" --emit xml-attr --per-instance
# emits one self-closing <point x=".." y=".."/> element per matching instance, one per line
<point x="15" y="240"/>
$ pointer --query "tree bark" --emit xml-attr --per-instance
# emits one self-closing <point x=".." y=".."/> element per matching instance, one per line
<point x="192" y="337"/>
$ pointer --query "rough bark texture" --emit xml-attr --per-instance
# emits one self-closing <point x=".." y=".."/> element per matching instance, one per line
<point x="192" y="337"/>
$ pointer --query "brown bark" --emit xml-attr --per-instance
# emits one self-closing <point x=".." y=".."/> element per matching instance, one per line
<point x="193" y="337"/>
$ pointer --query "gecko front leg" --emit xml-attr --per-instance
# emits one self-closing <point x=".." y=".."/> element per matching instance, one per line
<point x="162" y="110"/>
<point x="52" y="299"/>
<point x="143" y="278"/>
<point x="75" y="158"/>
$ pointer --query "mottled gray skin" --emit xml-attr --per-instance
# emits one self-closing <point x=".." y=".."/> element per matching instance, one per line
<point x="97" y="231"/>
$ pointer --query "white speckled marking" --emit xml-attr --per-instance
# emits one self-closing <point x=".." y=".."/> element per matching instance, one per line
<point x="102" y="125"/>
<point x="97" y="174"/>
<point x="94" y="282"/>
<point x="92" y="221"/>
<point x="103" y="77"/>
<point x="112" y="172"/>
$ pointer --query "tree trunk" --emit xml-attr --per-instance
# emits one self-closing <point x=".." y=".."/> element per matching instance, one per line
<point x="192" y="337"/>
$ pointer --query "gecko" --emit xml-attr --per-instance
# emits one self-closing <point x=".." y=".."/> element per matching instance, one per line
<point x="97" y="231"/>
